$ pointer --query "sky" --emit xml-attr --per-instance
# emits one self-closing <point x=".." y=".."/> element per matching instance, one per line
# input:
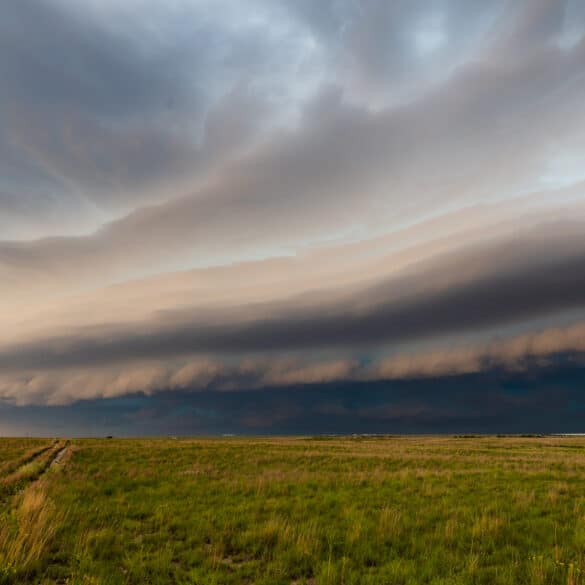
<point x="289" y="216"/>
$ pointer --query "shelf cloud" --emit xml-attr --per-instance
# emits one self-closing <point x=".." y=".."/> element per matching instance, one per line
<point x="230" y="196"/>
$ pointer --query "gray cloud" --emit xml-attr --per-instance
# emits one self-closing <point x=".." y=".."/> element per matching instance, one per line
<point x="303" y="185"/>
<point x="383" y="46"/>
<point x="110" y="114"/>
<point x="512" y="282"/>
<point x="102" y="112"/>
<point x="353" y="137"/>
<point x="525" y="353"/>
<point x="72" y="62"/>
<point x="72" y="92"/>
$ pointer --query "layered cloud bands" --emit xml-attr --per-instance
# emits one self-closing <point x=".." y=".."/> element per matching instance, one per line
<point x="287" y="193"/>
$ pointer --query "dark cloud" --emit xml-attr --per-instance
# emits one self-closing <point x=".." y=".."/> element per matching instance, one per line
<point x="539" y="275"/>
<point x="546" y="400"/>
<point x="55" y="57"/>
<point x="100" y="108"/>
<point x="146" y="138"/>
<point x="102" y="112"/>
<point x="78" y="99"/>
<point x="485" y="131"/>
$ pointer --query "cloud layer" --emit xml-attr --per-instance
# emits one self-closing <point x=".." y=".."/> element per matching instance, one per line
<point x="258" y="194"/>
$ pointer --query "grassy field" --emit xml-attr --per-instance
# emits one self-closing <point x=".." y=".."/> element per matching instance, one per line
<point x="14" y="452"/>
<point x="441" y="510"/>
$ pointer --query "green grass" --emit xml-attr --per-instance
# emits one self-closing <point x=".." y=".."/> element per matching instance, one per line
<point x="293" y="511"/>
<point x="27" y="469"/>
<point x="14" y="451"/>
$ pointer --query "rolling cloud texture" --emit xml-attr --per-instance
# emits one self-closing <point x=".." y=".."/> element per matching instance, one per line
<point x="287" y="197"/>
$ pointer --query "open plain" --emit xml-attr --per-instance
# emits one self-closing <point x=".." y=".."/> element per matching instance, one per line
<point x="404" y="510"/>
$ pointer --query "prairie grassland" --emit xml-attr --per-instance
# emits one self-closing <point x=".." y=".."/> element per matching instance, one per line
<point x="438" y="510"/>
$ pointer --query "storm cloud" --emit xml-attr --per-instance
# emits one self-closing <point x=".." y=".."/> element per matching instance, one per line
<point x="497" y="286"/>
<point x="237" y="195"/>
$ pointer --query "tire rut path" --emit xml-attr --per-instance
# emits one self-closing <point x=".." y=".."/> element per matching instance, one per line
<point x="32" y="469"/>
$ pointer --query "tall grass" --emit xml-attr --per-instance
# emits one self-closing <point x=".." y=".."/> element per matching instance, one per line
<point x="26" y="533"/>
<point x="406" y="511"/>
